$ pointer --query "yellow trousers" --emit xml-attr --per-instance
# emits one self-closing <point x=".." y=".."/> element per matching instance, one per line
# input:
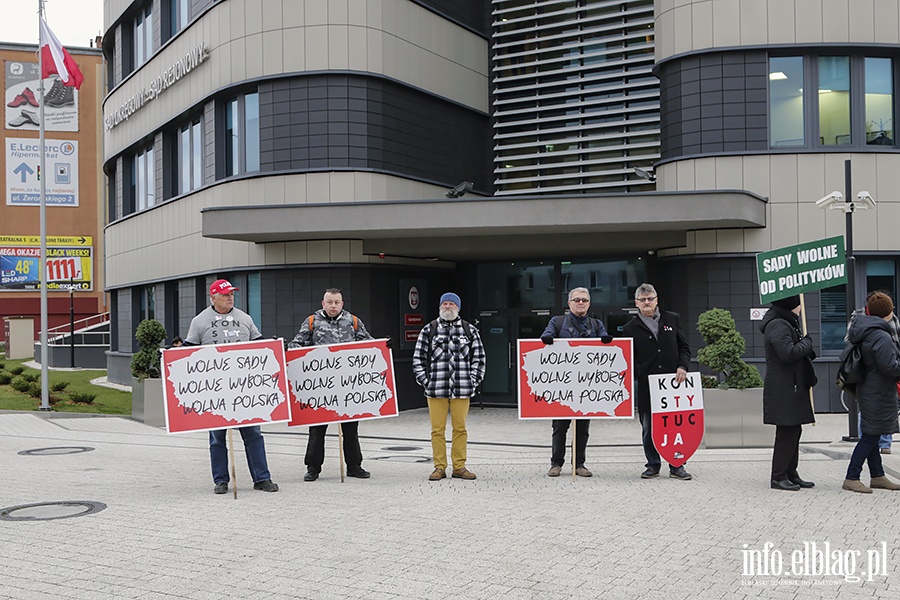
<point x="437" y="410"/>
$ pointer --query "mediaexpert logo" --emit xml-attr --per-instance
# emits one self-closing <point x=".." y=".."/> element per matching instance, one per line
<point x="812" y="564"/>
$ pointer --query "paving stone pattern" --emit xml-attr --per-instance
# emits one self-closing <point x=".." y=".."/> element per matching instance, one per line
<point x="513" y="533"/>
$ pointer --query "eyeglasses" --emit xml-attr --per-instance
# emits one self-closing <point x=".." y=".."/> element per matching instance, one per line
<point x="580" y="300"/>
<point x="646" y="300"/>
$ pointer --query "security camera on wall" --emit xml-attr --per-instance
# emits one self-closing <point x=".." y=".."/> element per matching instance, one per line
<point x="865" y="200"/>
<point x="832" y="199"/>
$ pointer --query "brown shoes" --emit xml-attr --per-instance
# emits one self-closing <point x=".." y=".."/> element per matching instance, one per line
<point x="463" y="473"/>
<point x="554" y="471"/>
<point x="883" y="483"/>
<point x="437" y="475"/>
<point x="855" y="485"/>
<point x="583" y="472"/>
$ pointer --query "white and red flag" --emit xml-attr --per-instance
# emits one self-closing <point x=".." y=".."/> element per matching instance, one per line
<point x="55" y="59"/>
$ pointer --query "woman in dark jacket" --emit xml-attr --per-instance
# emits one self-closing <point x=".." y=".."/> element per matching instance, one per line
<point x="789" y="376"/>
<point x="876" y="393"/>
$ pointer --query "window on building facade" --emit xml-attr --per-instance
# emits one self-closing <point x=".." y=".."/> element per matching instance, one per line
<point x="111" y="196"/>
<point x="786" y="101"/>
<point x="834" y="100"/>
<point x="880" y="274"/>
<point x="176" y="15"/>
<point x="142" y="40"/>
<point x="833" y="314"/>
<point x="879" y="101"/>
<point x="241" y="118"/>
<point x="143" y="179"/>
<point x="831" y="101"/>
<point x="189" y="150"/>
<point x="148" y="302"/>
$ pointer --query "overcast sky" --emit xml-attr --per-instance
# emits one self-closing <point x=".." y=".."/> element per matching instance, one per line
<point x="75" y="22"/>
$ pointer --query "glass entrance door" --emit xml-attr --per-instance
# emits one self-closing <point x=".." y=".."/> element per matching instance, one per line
<point x="500" y="332"/>
<point x="516" y="300"/>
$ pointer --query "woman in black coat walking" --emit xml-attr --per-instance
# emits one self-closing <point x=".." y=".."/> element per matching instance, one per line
<point x="876" y="393"/>
<point x="789" y="376"/>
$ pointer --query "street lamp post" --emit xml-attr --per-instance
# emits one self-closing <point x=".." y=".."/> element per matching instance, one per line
<point x="72" y="322"/>
<point x="846" y="203"/>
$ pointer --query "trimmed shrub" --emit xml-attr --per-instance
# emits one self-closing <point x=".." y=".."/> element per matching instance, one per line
<point x="16" y="369"/>
<point x="59" y="386"/>
<point x="20" y="385"/>
<point x="145" y="362"/>
<point x="725" y="347"/>
<point x="82" y="397"/>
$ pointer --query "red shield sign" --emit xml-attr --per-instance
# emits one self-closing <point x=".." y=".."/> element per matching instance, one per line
<point x="677" y="416"/>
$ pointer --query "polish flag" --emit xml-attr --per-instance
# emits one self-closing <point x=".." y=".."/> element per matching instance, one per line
<point x="55" y="59"/>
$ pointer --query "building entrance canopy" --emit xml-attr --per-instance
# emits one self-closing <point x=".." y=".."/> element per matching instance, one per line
<point x="496" y="227"/>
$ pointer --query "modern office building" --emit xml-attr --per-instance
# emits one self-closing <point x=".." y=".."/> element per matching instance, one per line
<point x="75" y="189"/>
<point x="398" y="149"/>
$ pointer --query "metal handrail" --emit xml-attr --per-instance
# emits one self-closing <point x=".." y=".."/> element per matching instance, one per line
<point x="92" y="321"/>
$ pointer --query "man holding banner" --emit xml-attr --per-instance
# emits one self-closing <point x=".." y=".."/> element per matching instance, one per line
<point x="222" y="323"/>
<point x="576" y="324"/>
<point x="332" y="325"/>
<point x="659" y="347"/>
<point x="789" y="377"/>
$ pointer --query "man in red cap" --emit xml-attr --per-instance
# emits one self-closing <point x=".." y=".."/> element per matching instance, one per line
<point x="222" y="323"/>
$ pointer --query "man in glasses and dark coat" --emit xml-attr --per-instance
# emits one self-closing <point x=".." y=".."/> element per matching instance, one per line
<point x="574" y="324"/>
<point x="659" y="347"/>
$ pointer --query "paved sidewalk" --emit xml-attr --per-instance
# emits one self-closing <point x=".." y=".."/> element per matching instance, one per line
<point x="513" y="533"/>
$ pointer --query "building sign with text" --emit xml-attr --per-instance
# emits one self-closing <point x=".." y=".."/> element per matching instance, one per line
<point x="70" y="262"/>
<point x="23" y="171"/>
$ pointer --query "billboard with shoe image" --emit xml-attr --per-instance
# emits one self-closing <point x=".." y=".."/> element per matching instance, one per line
<point x="23" y="100"/>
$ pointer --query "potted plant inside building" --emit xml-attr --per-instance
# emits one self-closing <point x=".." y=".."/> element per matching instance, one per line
<point x="733" y="398"/>
<point x="146" y="384"/>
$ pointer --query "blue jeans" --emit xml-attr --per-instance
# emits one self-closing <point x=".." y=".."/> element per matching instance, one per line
<point x="653" y="460"/>
<point x="884" y="441"/>
<point x="254" y="448"/>
<point x="866" y="450"/>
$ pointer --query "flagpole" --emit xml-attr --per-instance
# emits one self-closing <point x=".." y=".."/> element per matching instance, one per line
<point x="42" y="265"/>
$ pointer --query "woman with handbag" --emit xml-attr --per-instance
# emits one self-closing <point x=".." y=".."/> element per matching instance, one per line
<point x="876" y="393"/>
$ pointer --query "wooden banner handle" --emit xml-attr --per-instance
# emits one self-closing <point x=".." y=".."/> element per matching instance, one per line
<point x="341" y="449"/>
<point x="231" y="454"/>
<point x="574" y="435"/>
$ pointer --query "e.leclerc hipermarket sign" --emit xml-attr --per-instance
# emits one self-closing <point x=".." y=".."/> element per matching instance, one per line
<point x="802" y="268"/>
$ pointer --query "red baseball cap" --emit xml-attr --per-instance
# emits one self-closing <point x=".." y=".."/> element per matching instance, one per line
<point x="221" y="286"/>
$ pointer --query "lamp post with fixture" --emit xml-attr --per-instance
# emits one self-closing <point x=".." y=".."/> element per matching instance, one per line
<point x="839" y="201"/>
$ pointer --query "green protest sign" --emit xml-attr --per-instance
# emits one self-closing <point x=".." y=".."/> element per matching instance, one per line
<point x="802" y="268"/>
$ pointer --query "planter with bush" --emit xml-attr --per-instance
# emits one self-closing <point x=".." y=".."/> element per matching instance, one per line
<point x="732" y="398"/>
<point x="146" y="386"/>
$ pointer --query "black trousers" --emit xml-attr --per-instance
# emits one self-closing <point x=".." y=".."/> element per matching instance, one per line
<point x="315" y="447"/>
<point x="786" y="452"/>
<point x="558" y="441"/>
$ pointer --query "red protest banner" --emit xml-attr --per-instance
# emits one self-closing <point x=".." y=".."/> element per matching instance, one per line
<point x="225" y="385"/>
<point x="341" y="382"/>
<point x="576" y="378"/>
<point x="677" y="410"/>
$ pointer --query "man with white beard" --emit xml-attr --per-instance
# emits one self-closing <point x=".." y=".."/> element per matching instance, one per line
<point x="449" y="363"/>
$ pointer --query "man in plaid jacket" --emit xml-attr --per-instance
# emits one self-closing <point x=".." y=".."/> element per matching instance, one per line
<point x="449" y="363"/>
